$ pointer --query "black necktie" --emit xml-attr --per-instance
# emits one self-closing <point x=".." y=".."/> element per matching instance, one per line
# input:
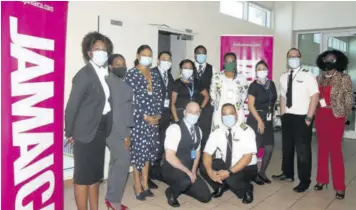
<point x="289" y="90"/>
<point x="229" y="150"/>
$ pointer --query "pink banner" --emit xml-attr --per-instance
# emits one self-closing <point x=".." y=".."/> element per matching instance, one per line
<point x="33" y="38"/>
<point x="249" y="50"/>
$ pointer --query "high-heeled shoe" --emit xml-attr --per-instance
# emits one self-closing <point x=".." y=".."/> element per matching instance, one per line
<point x="340" y="195"/>
<point x="319" y="187"/>
<point x="140" y="196"/>
<point x="110" y="206"/>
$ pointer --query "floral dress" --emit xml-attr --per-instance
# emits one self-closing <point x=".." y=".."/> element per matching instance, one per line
<point x="144" y="137"/>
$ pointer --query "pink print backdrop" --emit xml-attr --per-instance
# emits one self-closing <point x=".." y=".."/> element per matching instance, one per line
<point x="32" y="82"/>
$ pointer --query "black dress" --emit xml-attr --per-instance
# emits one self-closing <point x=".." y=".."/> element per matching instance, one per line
<point x="185" y="94"/>
<point x="265" y="99"/>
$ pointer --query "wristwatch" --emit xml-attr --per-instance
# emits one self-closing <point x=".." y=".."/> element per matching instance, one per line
<point x="309" y="119"/>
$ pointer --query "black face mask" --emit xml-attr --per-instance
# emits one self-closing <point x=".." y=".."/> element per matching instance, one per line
<point x="120" y="72"/>
<point x="329" y="66"/>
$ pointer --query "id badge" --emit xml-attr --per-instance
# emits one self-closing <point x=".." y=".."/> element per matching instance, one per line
<point x="322" y="102"/>
<point x="149" y="92"/>
<point x="269" y="116"/>
<point x="193" y="154"/>
<point x="166" y="103"/>
<point x="230" y="94"/>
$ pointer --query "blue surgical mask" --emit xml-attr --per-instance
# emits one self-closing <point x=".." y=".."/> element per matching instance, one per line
<point x="191" y="119"/>
<point x="145" y="61"/>
<point x="229" y="120"/>
<point x="294" y="63"/>
<point x="201" y="58"/>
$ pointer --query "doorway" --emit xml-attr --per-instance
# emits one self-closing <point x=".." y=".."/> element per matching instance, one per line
<point x="179" y="44"/>
<point x="311" y="44"/>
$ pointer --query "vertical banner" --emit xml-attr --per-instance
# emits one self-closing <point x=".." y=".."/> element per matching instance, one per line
<point x="249" y="50"/>
<point x="33" y="38"/>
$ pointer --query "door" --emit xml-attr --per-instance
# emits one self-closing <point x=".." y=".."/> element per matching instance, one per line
<point x="345" y="42"/>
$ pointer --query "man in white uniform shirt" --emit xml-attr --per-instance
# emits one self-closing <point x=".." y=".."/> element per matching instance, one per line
<point x="298" y="101"/>
<point x="237" y="166"/>
<point x="182" y="151"/>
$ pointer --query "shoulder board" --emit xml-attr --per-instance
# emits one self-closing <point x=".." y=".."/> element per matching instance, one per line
<point x="243" y="126"/>
<point x="305" y="70"/>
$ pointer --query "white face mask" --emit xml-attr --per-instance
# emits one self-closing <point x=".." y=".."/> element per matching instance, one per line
<point x="191" y="119"/>
<point x="100" y="57"/>
<point x="262" y="75"/>
<point x="294" y="62"/>
<point x="145" y="61"/>
<point x="165" y="65"/>
<point x="187" y="73"/>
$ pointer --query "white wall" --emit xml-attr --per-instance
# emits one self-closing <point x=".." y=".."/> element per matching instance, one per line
<point x="203" y="18"/>
<point x="323" y="15"/>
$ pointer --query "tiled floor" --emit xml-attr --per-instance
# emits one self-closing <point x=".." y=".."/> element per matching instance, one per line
<point x="276" y="196"/>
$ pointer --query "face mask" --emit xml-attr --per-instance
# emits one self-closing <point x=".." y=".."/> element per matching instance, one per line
<point x="262" y="75"/>
<point x="165" y="65"/>
<point x="229" y="120"/>
<point x="201" y="58"/>
<point x="120" y="72"/>
<point x="145" y="61"/>
<point x="294" y="62"/>
<point x="100" y="57"/>
<point x="231" y="67"/>
<point x="187" y="74"/>
<point x="191" y="119"/>
<point x="329" y="66"/>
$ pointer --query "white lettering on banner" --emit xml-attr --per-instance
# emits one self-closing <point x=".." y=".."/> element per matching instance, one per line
<point x="30" y="167"/>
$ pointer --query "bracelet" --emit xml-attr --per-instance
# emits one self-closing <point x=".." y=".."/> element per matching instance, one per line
<point x="309" y="119"/>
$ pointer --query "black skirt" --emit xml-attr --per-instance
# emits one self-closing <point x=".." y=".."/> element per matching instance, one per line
<point x="267" y="138"/>
<point x="89" y="157"/>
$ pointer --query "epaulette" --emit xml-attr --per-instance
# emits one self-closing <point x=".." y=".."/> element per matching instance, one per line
<point x="243" y="126"/>
<point x="305" y="70"/>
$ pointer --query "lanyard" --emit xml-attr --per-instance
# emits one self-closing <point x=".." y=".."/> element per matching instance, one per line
<point x="191" y="91"/>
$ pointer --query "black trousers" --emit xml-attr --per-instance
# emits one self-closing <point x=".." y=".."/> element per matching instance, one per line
<point x="296" y="135"/>
<point x="155" y="170"/>
<point x="205" y="121"/>
<point x="180" y="183"/>
<point x="239" y="182"/>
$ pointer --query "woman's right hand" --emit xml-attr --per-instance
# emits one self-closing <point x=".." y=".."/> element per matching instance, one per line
<point x="260" y="127"/>
<point x="151" y="120"/>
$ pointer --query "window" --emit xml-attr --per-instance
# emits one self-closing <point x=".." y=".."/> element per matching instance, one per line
<point x="317" y="38"/>
<point x="337" y="44"/>
<point x="246" y="11"/>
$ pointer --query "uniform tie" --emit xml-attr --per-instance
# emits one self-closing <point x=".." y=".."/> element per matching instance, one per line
<point x="229" y="150"/>
<point x="200" y="72"/>
<point x="289" y="89"/>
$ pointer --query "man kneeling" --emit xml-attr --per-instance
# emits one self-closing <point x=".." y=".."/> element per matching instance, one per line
<point x="236" y="142"/>
<point x="182" y="149"/>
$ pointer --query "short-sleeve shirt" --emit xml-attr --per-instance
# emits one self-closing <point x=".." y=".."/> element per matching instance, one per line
<point x="304" y="86"/>
<point x="243" y="142"/>
<point x="265" y="97"/>
<point x="173" y="136"/>
<point x="183" y="93"/>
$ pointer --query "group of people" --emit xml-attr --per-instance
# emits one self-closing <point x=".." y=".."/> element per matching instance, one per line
<point x="191" y="132"/>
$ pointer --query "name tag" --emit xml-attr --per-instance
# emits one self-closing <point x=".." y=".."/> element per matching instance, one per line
<point x="193" y="154"/>
<point x="322" y="102"/>
<point x="149" y="92"/>
<point x="269" y="116"/>
<point x="166" y="103"/>
<point x="230" y="94"/>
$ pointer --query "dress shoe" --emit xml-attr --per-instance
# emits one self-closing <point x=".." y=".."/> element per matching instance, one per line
<point x="219" y="192"/>
<point x="258" y="180"/>
<point x="248" y="198"/>
<point x="264" y="179"/>
<point x="152" y="185"/>
<point x="283" y="177"/>
<point x="172" y="201"/>
<point x="148" y="193"/>
<point x="301" y="187"/>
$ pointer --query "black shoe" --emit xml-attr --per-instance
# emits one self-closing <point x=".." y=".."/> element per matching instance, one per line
<point x="283" y="177"/>
<point x="248" y="198"/>
<point x="301" y="187"/>
<point x="264" y="179"/>
<point x="258" y="180"/>
<point x="152" y="185"/>
<point x="172" y="201"/>
<point x="320" y="187"/>
<point x="140" y="196"/>
<point x="219" y="192"/>
<point x="148" y="193"/>
<point x="340" y="195"/>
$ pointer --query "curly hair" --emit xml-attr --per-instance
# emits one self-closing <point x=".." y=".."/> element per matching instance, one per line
<point x="341" y="60"/>
<point x="90" y="39"/>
